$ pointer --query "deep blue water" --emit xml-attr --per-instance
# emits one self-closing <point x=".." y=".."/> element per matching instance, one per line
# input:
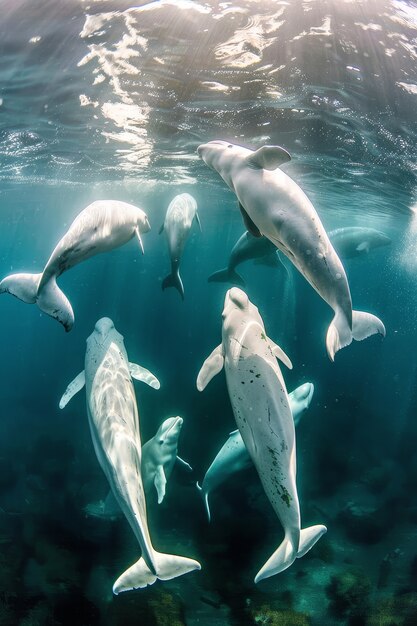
<point x="105" y="100"/>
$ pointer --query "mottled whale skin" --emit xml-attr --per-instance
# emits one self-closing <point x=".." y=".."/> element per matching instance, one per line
<point x="233" y="456"/>
<point x="177" y="225"/>
<point x="262" y="412"/>
<point x="273" y="205"/>
<point x="114" y="424"/>
<point x="100" y="227"/>
<point x="246" y="248"/>
<point x="353" y="241"/>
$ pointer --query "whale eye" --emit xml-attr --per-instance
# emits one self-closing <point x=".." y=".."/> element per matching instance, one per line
<point x="230" y="145"/>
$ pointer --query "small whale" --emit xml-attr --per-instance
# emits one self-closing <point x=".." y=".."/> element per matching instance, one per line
<point x="246" y="248"/>
<point x="100" y="227"/>
<point x="263" y="416"/>
<point x="273" y="205"/>
<point x="178" y="221"/>
<point x="114" y="424"/>
<point x="353" y="241"/>
<point x="233" y="456"/>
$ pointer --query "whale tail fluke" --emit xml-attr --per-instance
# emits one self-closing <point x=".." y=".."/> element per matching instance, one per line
<point x="204" y="495"/>
<point x="52" y="301"/>
<point x="280" y="560"/>
<point x="365" y="324"/>
<point x="227" y="276"/>
<point x="286" y="552"/>
<point x="168" y="566"/>
<point x="174" y="280"/>
<point x="22" y="286"/>
<point x="339" y="334"/>
<point x="309" y="537"/>
<point x="49" y="298"/>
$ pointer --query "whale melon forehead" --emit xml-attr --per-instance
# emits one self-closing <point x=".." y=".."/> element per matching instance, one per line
<point x="238" y="297"/>
<point x="170" y="426"/>
<point x="103" y="325"/>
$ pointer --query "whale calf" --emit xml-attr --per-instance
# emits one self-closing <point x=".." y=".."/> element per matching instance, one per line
<point x="100" y="227"/>
<point x="114" y="424"/>
<point x="353" y="241"/>
<point x="247" y="247"/>
<point x="262" y="412"/>
<point x="273" y="205"/>
<point x="233" y="456"/>
<point x="177" y="225"/>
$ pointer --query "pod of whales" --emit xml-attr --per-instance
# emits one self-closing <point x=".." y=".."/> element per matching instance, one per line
<point x="100" y="227"/>
<point x="114" y="424"/>
<point x="177" y="225"/>
<point x="273" y="205"/>
<point x="263" y="416"/>
<point x="233" y="456"/>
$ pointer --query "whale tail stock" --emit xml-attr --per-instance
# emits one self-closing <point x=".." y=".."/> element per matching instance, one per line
<point x="339" y="335"/>
<point x="168" y="566"/>
<point x="227" y="276"/>
<point x="174" y="280"/>
<point x="50" y="298"/>
<point x="204" y="495"/>
<point x="286" y="553"/>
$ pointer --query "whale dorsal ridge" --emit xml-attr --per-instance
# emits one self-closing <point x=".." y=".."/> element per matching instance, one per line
<point x="268" y="158"/>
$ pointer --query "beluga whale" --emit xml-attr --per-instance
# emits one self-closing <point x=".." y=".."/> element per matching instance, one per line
<point x="114" y="424"/>
<point x="233" y="456"/>
<point x="100" y="227"/>
<point x="261" y="408"/>
<point x="273" y="205"/>
<point x="247" y="247"/>
<point x="177" y="225"/>
<point x="354" y="241"/>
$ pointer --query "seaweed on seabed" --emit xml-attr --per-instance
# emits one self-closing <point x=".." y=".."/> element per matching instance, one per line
<point x="167" y="609"/>
<point x="349" y="593"/>
<point x="394" y="611"/>
<point x="278" y="617"/>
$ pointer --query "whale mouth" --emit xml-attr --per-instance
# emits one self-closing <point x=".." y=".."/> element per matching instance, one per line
<point x="177" y="422"/>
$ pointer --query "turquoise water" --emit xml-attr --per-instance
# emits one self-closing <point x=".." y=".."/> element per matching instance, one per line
<point x="105" y="100"/>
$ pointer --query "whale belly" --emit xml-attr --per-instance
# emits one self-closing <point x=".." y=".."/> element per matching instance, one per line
<point x="263" y="416"/>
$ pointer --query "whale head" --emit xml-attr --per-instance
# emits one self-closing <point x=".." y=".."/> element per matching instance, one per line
<point x="104" y="332"/>
<point x="223" y="157"/>
<point x="304" y="394"/>
<point x="238" y="310"/>
<point x="142" y="221"/>
<point x="168" y="433"/>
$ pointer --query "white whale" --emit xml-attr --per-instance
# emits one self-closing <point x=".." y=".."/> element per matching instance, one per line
<point x="177" y="225"/>
<point x="233" y="456"/>
<point x="114" y="425"/>
<point x="273" y="205"/>
<point x="246" y="248"/>
<point x="159" y="455"/>
<point x="353" y="241"/>
<point x="100" y="227"/>
<point x="262" y="412"/>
